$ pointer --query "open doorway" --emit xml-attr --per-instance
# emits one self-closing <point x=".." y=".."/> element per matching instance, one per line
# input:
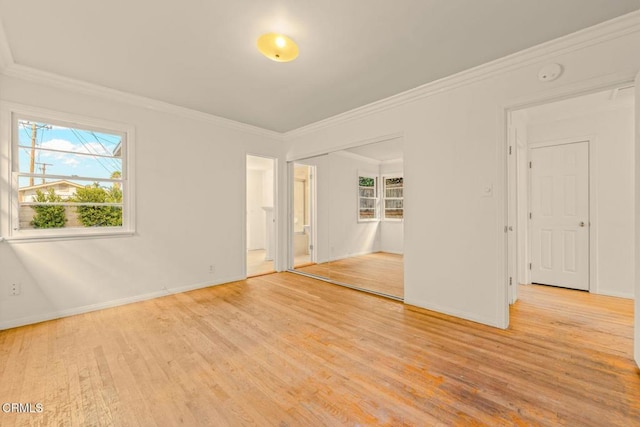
<point x="303" y="215"/>
<point x="572" y="193"/>
<point x="260" y="224"/>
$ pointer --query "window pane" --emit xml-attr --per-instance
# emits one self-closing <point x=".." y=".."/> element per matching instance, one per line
<point x="367" y="213"/>
<point x="56" y="159"/>
<point x="368" y="197"/>
<point x="68" y="164"/>
<point x="393" y="204"/>
<point x="393" y="182"/>
<point x="367" y="192"/>
<point x="367" y="182"/>
<point x="367" y="203"/>
<point x="65" y="189"/>
<point x="42" y="216"/>
<point x="47" y="149"/>
<point x="394" y="192"/>
<point x="69" y="204"/>
<point x="394" y="213"/>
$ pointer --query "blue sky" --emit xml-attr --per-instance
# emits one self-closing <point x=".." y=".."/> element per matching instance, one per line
<point x="82" y="142"/>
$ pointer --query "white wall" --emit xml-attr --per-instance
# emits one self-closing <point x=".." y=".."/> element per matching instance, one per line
<point x="180" y="163"/>
<point x="612" y="153"/>
<point x="392" y="232"/>
<point x="348" y="237"/>
<point x="454" y="146"/>
<point x="256" y="216"/>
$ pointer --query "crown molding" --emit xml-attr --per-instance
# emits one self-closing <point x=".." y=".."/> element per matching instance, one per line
<point x="599" y="33"/>
<point x="352" y="144"/>
<point x="391" y="161"/>
<point x="74" y="85"/>
<point x="6" y="57"/>
<point x="355" y="156"/>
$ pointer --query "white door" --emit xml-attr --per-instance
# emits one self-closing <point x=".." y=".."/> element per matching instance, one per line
<point x="560" y="215"/>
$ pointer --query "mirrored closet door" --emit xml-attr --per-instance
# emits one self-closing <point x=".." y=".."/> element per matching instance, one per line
<point x="347" y="217"/>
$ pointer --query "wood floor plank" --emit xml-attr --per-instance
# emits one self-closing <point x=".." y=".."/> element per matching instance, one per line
<point x="380" y="272"/>
<point x="290" y="350"/>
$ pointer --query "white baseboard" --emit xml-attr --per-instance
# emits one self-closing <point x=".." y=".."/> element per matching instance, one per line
<point x="456" y="313"/>
<point x="618" y="294"/>
<point x="391" y="252"/>
<point x="605" y="292"/>
<point x="338" y="258"/>
<point x="28" y="320"/>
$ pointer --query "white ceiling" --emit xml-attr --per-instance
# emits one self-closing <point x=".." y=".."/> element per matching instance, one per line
<point x="201" y="54"/>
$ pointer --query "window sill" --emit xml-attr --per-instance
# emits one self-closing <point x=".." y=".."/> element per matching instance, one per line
<point x="57" y="237"/>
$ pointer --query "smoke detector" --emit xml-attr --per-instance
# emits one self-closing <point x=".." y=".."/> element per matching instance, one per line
<point x="550" y="72"/>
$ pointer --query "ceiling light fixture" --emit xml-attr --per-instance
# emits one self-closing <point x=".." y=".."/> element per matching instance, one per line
<point x="277" y="47"/>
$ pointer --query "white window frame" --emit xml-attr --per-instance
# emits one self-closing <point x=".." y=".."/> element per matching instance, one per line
<point x="9" y="216"/>
<point x="376" y="178"/>
<point x="383" y="197"/>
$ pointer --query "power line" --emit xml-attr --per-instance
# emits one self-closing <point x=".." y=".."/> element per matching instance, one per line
<point x="114" y="162"/>
<point x="85" y="144"/>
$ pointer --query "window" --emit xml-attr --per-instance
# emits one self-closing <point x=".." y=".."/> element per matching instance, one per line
<point x="367" y="198"/>
<point x="69" y="177"/>
<point x="393" y="199"/>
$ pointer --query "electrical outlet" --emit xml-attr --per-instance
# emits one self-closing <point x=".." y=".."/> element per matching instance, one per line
<point x="15" y="289"/>
<point x="212" y="269"/>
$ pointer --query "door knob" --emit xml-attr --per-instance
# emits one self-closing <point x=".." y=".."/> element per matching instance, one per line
<point x="581" y="224"/>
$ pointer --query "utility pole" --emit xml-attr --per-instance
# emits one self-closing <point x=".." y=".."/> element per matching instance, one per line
<point x="32" y="162"/>
<point x="43" y="169"/>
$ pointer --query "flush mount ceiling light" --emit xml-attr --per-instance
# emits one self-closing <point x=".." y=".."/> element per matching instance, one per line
<point x="278" y="47"/>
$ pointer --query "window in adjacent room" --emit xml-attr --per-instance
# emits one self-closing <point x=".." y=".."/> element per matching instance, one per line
<point x="367" y="198"/>
<point x="393" y="197"/>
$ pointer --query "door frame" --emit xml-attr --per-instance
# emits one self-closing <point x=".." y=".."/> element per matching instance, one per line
<point x="592" y="194"/>
<point x="508" y="147"/>
<point x="276" y="221"/>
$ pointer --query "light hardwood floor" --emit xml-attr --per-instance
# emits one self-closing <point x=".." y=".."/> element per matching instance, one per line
<point x="380" y="272"/>
<point x="287" y="350"/>
<point x="256" y="264"/>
